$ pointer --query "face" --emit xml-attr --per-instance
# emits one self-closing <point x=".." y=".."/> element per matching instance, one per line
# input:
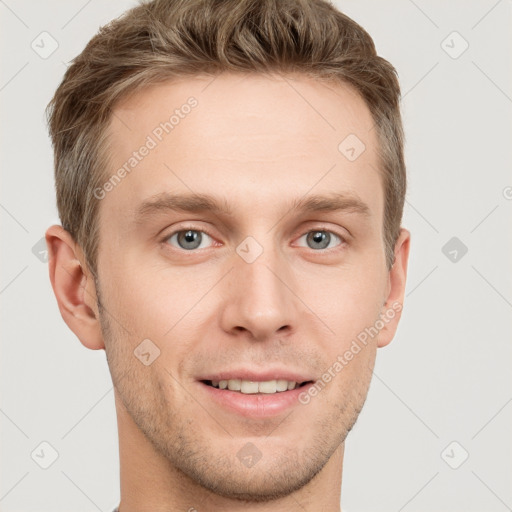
<point x="215" y="256"/>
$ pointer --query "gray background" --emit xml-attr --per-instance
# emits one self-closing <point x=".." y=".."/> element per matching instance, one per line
<point x="446" y="376"/>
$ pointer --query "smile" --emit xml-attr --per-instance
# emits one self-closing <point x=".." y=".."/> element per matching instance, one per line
<point x="250" y="387"/>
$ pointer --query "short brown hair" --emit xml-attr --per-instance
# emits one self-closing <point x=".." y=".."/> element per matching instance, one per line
<point x="166" y="39"/>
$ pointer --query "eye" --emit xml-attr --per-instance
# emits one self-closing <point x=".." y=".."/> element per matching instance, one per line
<point x="321" y="239"/>
<point x="189" y="239"/>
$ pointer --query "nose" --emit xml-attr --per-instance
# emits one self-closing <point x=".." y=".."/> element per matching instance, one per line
<point x="259" y="300"/>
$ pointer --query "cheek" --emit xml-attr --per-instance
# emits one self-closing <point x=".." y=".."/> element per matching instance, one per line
<point x="138" y="292"/>
<point x="349" y="300"/>
<point x="160" y="304"/>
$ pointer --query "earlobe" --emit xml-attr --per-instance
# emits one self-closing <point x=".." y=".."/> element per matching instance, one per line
<point x="74" y="287"/>
<point x="392" y="308"/>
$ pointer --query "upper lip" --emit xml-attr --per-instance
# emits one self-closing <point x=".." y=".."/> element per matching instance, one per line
<point x="259" y="376"/>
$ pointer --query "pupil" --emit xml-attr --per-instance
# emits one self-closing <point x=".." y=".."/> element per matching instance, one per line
<point x="190" y="239"/>
<point x="320" y="237"/>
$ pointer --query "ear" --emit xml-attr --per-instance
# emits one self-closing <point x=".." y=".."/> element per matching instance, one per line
<point x="74" y="287"/>
<point x="392" y="308"/>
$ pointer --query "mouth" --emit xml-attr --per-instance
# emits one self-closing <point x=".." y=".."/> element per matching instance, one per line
<point x="255" y="398"/>
<point x="255" y="393"/>
<point x="252" y="387"/>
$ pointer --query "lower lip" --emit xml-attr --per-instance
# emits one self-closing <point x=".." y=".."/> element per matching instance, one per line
<point x="259" y="405"/>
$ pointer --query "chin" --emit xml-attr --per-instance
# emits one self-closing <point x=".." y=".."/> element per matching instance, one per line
<point x="259" y="483"/>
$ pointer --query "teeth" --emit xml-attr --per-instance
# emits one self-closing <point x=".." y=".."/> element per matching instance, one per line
<point x="249" y="386"/>
<point x="235" y="384"/>
<point x="282" y="385"/>
<point x="252" y="387"/>
<point x="269" y="386"/>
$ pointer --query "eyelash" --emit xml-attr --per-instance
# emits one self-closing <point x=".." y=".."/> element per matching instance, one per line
<point x="343" y="240"/>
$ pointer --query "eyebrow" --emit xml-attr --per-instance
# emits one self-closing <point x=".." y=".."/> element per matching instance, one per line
<point x="165" y="201"/>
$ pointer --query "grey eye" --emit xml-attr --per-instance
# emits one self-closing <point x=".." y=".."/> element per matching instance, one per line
<point x="320" y="239"/>
<point x="189" y="239"/>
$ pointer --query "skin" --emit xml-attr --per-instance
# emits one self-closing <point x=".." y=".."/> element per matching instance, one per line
<point x="256" y="142"/>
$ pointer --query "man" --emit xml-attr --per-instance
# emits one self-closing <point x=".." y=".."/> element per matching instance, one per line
<point x="230" y="180"/>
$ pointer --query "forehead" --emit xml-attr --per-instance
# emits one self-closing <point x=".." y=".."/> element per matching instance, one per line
<point x="254" y="140"/>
